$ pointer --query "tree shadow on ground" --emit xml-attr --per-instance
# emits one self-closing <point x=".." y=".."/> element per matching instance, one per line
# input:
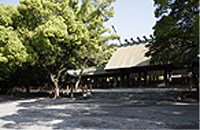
<point x="104" y="111"/>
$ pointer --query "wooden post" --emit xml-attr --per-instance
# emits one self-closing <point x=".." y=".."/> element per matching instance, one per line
<point x="145" y="78"/>
<point x="150" y="80"/>
<point x="139" y="79"/>
<point x="87" y="87"/>
<point x="103" y="82"/>
<point x="95" y="82"/>
<point x="170" y="78"/>
<point x="100" y="82"/>
<point x="106" y="83"/>
<point x="133" y="81"/>
<point x="165" y="78"/>
<point x="72" y="88"/>
<point x="90" y="89"/>
<point x="157" y="81"/>
<point x="117" y="81"/>
<point x="154" y="80"/>
<point x="121" y="80"/>
<point x="128" y="80"/>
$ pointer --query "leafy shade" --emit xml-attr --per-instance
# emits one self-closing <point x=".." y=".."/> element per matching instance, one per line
<point x="176" y="32"/>
<point x="51" y="35"/>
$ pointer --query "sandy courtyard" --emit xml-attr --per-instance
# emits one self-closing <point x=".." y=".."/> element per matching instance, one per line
<point x="131" y="108"/>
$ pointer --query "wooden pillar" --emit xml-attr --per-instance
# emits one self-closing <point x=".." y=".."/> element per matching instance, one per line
<point x="165" y="78"/>
<point x="145" y="78"/>
<point x="139" y="79"/>
<point x="118" y="81"/>
<point x="121" y="80"/>
<point x="72" y="89"/>
<point x="106" y="83"/>
<point x="150" y="80"/>
<point x="103" y="82"/>
<point x="157" y="81"/>
<point x="133" y="81"/>
<point x="91" y="81"/>
<point x="154" y="79"/>
<point x="114" y="81"/>
<point x="170" y="78"/>
<point x="90" y="88"/>
<point x="94" y="81"/>
<point x="128" y="80"/>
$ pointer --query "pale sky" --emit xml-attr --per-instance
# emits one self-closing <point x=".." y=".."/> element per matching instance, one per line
<point x="133" y="18"/>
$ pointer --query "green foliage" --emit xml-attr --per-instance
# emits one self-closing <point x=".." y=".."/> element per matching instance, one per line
<point x="51" y="35"/>
<point x="12" y="52"/>
<point x="103" y="56"/>
<point x="93" y="14"/>
<point x="176" y="32"/>
<point x="7" y="13"/>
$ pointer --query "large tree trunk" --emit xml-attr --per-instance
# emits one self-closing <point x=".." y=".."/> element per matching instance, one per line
<point x="55" y="84"/>
<point x="77" y="84"/>
<point x="79" y="79"/>
<point x="80" y="74"/>
<point x="57" y="90"/>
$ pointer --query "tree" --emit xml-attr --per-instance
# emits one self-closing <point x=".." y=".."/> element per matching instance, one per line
<point x="51" y="31"/>
<point x="176" y="32"/>
<point x="101" y="58"/>
<point x="93" y="13"/>
<point x="12" y="51"/>
<point x="98" y="58"/>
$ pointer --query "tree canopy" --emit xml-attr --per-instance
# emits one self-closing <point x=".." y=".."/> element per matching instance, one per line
<point x="12" y="50"/>
<point x="52" y="34"/>
<point x="176" y="32"/>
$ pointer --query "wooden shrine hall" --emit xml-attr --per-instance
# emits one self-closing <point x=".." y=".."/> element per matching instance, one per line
<point x="128" y="67"/>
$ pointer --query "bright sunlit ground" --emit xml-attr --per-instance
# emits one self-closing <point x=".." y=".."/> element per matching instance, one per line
<point x="131" y="108"/>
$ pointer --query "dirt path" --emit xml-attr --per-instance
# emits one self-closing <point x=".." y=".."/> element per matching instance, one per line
<point x="136" y="108"/>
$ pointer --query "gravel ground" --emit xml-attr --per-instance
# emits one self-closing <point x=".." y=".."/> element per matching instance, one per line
<point x="131" y="108"/>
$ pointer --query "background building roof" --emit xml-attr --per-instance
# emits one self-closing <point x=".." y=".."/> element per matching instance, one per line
<point x="93" y="71"/>
<point x="129" y="55"/>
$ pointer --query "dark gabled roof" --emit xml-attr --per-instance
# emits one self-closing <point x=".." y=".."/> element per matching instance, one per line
<point x="129" y="55"/>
